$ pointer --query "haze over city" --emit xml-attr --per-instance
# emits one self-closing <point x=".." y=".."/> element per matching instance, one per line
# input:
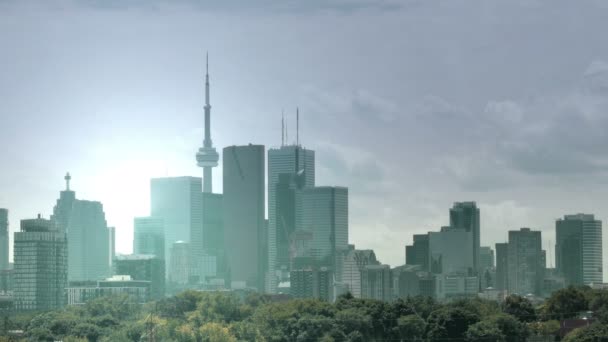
<point x="411" y="104"/>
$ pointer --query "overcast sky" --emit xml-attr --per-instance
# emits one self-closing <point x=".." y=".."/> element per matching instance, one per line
<point x="411" y="104"/>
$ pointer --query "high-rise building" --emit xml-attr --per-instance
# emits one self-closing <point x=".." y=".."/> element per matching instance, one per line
<point x="450" y="251"/>
<point x="178" y="201"/>
<point x="180" y="264"/>
<point x="149" y="236"/>
<point x="312" y="283"/>
<point x="143" y="267"/>
<point x="486" y="258"/>
<point x="63" y="208"/>
<point x="324" y="213"/>
<point x="578" y="249"/>
<point x="465" y="215"/>
<point x="349" y="265"/>
<point x="243" y="214"/>
<point x="376" y="282"/>
<point x="290" y="168"/>
<point x="112" y="237"/>
<point x="418" y="252"/>
<point x="3" y="239"/>
<point x="40" y="266"/>
<point x="524" y="262"/>
<point x="502" y="257"/>
<point x="88" y="242"/>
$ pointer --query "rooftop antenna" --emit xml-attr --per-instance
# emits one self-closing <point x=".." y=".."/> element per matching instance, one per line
<point x="297" y="126"/>
<point x="282" y="127"/>
<point x="67" y="178"/>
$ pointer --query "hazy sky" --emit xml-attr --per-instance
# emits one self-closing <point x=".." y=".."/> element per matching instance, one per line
<point x="411" y="104"/>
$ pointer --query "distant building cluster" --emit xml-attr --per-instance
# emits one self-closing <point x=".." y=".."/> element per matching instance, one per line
<point x="194" y="238"/>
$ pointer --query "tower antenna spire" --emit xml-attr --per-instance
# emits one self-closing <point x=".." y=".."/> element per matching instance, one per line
<point x="207" y="157"/>
<point x="282" y="128"/>
<point x="297" y="126"/>
<point x="67" y="178"/>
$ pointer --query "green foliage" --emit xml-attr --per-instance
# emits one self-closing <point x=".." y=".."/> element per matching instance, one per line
<point x="592" y="333"/>
<point x="411" y="327"/>
<point x="450" y="322"/>
<point x="485" y="331"/>
<point x="520" y="308"/>
<point x="87" y="330"/>
<point x="546" y="328"/>
<point x="598" y="303"/>
<point x="566" y="303"/>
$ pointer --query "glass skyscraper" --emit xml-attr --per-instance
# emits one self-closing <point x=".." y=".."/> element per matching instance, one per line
<point x="578" y="249"/>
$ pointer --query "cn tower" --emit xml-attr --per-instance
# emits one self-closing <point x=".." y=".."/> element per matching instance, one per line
<point x="207" y="157"/>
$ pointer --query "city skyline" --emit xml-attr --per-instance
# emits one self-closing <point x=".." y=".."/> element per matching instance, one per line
<point x="160" y="142"/>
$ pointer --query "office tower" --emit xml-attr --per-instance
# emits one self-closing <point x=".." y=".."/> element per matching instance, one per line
<point x="324" y="213"/>
<point x="312" y="283"/>
<point x="465" y="215"/>
<point x="207" y="157"/>
<point x="376" y="282"/>
<point x="578" y="249"/>
<point x="63" y="207"/>
<point x="209" y="242"/>
<point x="112" y="237"/>
<point x="243" y="214"/>
<point x="179" y="273"/>
<point x="349" y="265"/>
<point x="40" y="266"/>
<point x="149" y="236"/>
<point x="502" y="279"/>
<point x="3" y="239"/>
<point x="178" y="201"/>
<point x="143" y="267"/>
<point x="524" y="262"/>
<point x="88" y="242"/>
<point x="486" y="258"/>
<point x="297" y="165"/>
<point x="450" y="251"/>
<point x="418" y="252"/>
<point x="406" y="281"/>
<point x="456" y="286"/>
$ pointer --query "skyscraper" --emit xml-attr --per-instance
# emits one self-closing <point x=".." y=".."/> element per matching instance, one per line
<point x="88" y="242"/>
<point x="418" y="252"/>
<point x="40" y="266"/>
<point x="143" y="267"/>
<point x="179" y="273"/>
<point x="486" y="258"/>
<point x="502" y="257"/>
<point x="243" y="214"/>
<point x="178" y="201"/>
<point x="578" y="249"/>
<point x="207" y="157"/>
<point x="465" y="215"/>
<point x="3" y="239"/>
<point x="297" y="165"/>
<point x="63" y="207"/>
<point x="450" y="251"/>
<point x="149" y="236"/>
<point x="524" y="262"/>
<point x="324" y="213"/>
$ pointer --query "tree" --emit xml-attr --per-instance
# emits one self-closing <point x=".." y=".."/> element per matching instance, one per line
<point x="89" y="331"/>
<point x="484" y="331"/>
<point x="449" y="322"/>
<point x="520" y="308"/>
<point x="215" y="332"/>
<point x="566" y="303"/>
<point x="598" y="303"/>
<point x="40" y="334"/>
<point x="510" y="327"/>
<point x="411" y="327"/>
<point x="592" y="333"/>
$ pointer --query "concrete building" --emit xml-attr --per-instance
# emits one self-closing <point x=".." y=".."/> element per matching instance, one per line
<point x="179" y="272"/>
<point x="502" y="254"/>
<point x="450" y="251"/>
<point x="578" y="249"/>
<point x="524" y="262"/>
<point x="143" y="267"/>
<point x="456" y="286"/>
<point x="4" y="239"/>
<point x="149" y="236"/>
<point x="88" y="242"/>
<point x="63" y="208"/>
<point x="465" y="215"/>
<point x="486" y="258"/>
<point x="349" y="265"/>
<point x="79" y="293"/>
<point x="40" y="266"/>
<point x="418" y="252"/>
<point x="324" y="213"/>
<point x="297" y="165"/>
<point x="245" y="237"/>
<point x="376" y="282"/>
<point x="312" y="283"/>
<point x="179" y="202"/>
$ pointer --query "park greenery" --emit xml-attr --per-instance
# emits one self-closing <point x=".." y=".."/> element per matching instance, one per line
<point x="226" y="317"/>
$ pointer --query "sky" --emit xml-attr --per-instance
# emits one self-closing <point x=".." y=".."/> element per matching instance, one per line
<point x="411" y="104"/>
